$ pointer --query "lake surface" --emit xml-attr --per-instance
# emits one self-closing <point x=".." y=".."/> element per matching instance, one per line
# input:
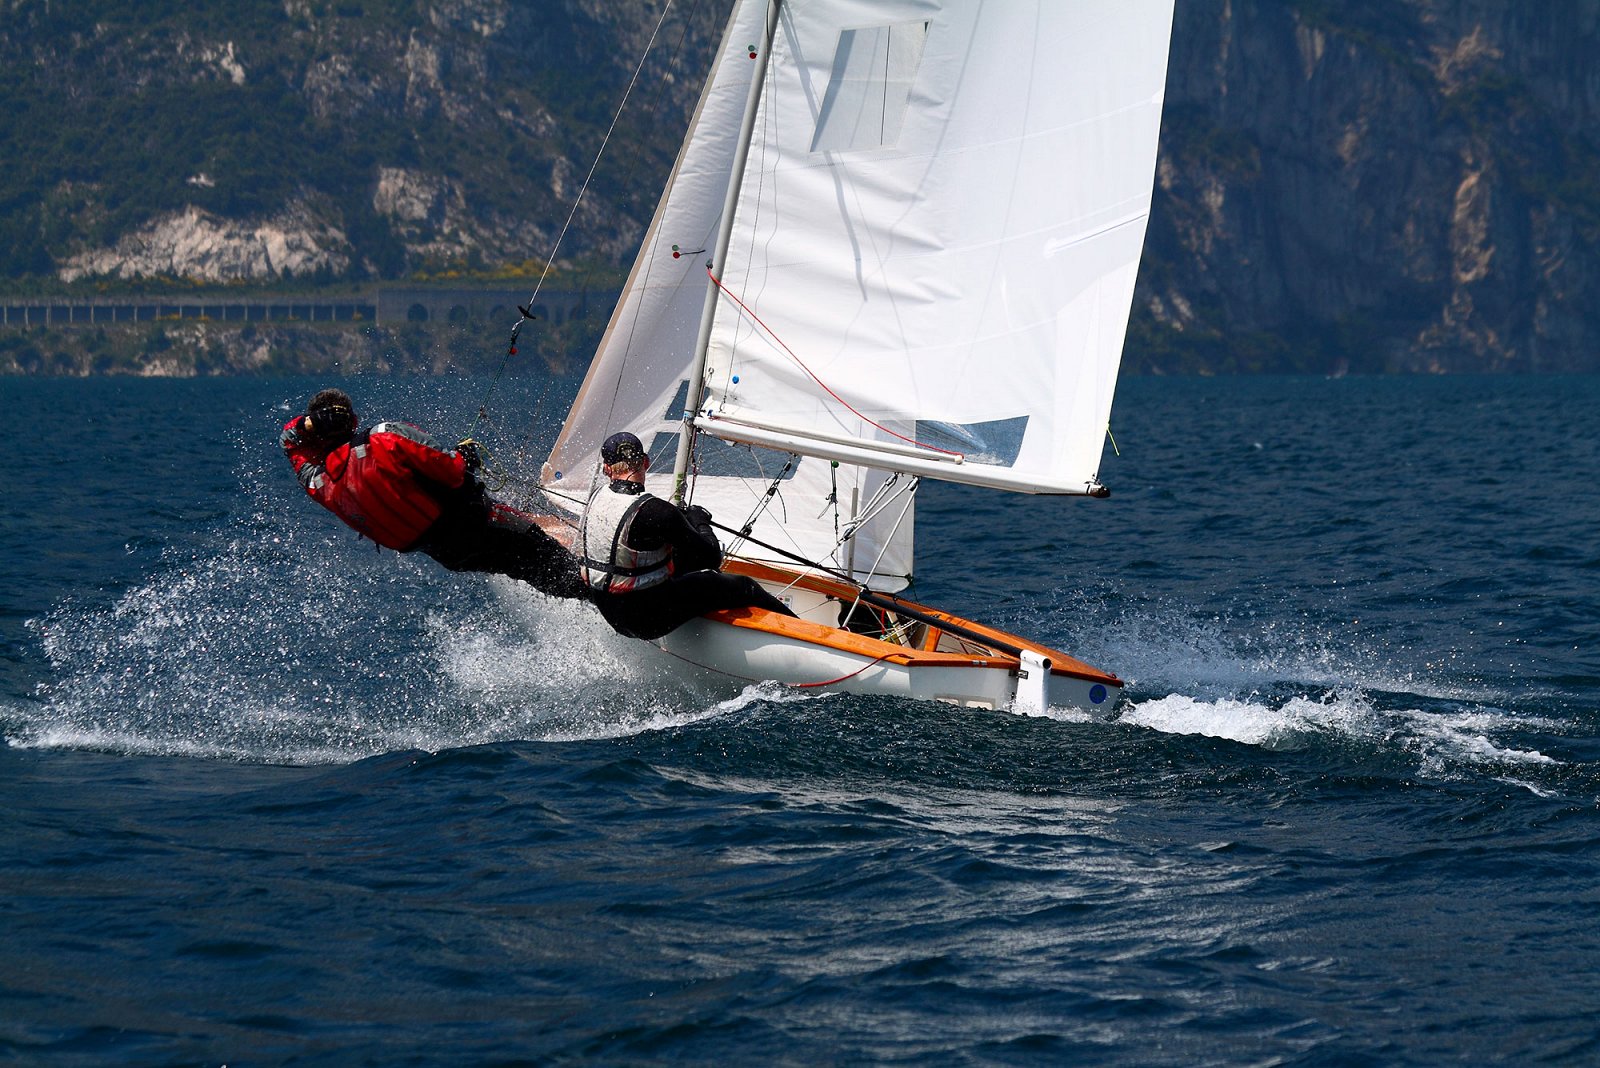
<point x="270" y="796"/>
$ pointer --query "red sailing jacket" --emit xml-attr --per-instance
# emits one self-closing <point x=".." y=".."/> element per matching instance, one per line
<point x="389" y="483"/>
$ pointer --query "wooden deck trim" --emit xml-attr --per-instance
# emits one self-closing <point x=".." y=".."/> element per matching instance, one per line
<point x="860" y="644"/>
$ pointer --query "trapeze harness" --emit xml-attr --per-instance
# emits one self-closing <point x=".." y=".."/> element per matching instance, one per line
<point x="617" y="567"/>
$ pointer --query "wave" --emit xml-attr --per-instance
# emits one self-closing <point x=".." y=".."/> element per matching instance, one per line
<point x="1440" y="742"/>
<point x="296" y="644"/>
<point x="233" y="658"/>
<point x="1283" y="681"/>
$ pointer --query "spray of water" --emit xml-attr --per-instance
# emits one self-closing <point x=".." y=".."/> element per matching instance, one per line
<point x="276" y="637"/>
<point x="1288" y="683"/>
<point x="296" y="646"/>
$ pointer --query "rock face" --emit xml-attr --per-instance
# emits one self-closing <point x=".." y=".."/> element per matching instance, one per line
<point x="1361" y="184"/>
<point x="195" y="245"/>
<point x="354" y="139"/>
<point x="1406" y="184"/>
<point x="425" y="210"/>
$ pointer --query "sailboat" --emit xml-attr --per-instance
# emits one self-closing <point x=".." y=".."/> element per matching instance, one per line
<point x="899" y="243"/>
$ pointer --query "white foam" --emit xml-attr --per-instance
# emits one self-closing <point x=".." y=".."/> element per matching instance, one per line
<point x="1441" y="741"/>
<point x="1067" y="715"/>
<point x="554" y="666"/>
<point x="285" y="641"/>
<point x="1168" y="647"/>
<point x="1249" y="722"/>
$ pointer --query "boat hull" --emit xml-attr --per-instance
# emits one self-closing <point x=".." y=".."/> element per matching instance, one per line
<point x="922" y="653"/>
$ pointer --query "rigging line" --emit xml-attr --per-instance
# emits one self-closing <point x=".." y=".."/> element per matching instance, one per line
<point x="883" y="102"/>
<point x="833" y="499"/>
<point x="910" y="491"/>
<point x="796" y="557"/>
<point x="802" y="365"/>
<point x="568" y="497"/>
<point x="765" y="500"/>
<point x="953" y="625"/>
<point x="884" y="496"/>
<point x="577" y="201"/>
<point x="911" y="497"/>
<point x="881" y="498"/>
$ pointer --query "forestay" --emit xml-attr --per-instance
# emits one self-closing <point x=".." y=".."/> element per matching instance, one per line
<point x="930" y="271"/>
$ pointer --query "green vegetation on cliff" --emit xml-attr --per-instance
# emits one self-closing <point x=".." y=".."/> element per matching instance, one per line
<point x="474" y="113"/>
<point x="1367" y="185"/>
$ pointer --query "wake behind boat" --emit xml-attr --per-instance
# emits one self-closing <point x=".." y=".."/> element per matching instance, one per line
<point x="900" y="242"/>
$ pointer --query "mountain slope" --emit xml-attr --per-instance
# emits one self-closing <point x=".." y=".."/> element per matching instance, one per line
<point x="1371" y="185"/>
<point x="1379" y="184"/>
<point x="363" y="139"/>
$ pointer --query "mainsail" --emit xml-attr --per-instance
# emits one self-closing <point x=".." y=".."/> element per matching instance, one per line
<point x="930" y="268"/>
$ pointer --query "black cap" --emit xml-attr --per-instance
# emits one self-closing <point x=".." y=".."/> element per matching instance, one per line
<point x="621" y="447"/>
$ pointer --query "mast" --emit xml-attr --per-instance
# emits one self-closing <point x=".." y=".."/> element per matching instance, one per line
<point x="697" y="371"/>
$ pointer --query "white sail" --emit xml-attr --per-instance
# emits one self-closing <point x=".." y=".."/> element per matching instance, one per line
<point x="931" y="265"/>
<point x="639" y="379"/>
<point x="940" y="232"/>
<point x="639" y="371"/>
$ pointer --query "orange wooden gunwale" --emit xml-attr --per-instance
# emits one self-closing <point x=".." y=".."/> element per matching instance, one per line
<point x="862" y="645"/>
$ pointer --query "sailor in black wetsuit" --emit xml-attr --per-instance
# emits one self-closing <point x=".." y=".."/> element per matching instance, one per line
<point x="652" y="567"/>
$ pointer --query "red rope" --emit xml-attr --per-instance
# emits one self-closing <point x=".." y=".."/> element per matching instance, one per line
<point x="801" y="363"/>
<point x="841" y="678"/>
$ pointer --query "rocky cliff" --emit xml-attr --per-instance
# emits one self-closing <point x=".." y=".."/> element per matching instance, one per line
<point x="348" y="140"/>
<point x="1366" y="185"/>
<point x="1381" y="184"/>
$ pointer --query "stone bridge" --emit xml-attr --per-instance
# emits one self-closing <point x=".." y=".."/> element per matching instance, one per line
<point x="383" y="306"/>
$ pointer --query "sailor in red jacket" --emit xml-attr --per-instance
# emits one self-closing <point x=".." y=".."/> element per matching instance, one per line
<point x="392" y="484"/>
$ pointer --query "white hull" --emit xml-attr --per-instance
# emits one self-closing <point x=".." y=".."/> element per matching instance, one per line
<point x="749" y="645"/>
<point x="715" y="648"/>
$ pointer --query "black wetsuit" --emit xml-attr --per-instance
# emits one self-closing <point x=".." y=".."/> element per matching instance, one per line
<point x="696" y="586"/>
<point x="483" y="534"/>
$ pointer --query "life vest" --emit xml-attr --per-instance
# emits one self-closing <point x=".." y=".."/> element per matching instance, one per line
<point x="386" y="482"/>
<point x="609" y="564"/>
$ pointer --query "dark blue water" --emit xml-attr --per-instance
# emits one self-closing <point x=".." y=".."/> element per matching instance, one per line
<point x="271" y="797"/>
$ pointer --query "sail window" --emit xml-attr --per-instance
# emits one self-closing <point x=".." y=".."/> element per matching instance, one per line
<point x="869" y="90"/>
<point x="715" y="458"/>
<point x="997" y="442"/>
<point x="679" y="402"/>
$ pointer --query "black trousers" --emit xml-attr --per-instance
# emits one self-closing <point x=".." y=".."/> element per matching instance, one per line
<point x="493" y="537"/>
<point x="662" y="609"/>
